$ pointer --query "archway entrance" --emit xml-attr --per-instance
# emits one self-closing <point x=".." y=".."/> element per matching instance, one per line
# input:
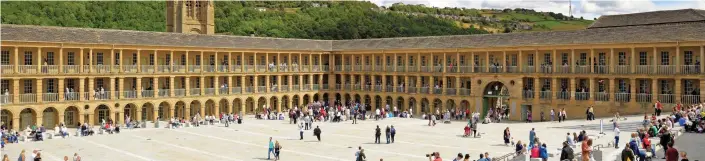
<point x="495" y="97"/>
<point x="102" y="112"/>
<point x="50" y="117"/>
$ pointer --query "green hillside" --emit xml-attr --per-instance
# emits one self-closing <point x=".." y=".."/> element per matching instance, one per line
<point x="288" y="19"/>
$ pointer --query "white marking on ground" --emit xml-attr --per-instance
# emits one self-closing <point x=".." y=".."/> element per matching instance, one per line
<point x="117" y="150"/>
<point x="185" y="148"/>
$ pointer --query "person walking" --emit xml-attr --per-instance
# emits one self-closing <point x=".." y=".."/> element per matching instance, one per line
<point x="271" y="148"/>
<point x="22" y="157"/>
<point x="317" y="132"/>
<point x="474" y="128"/>
<point x="507" y="135"/>
<point x="628" y="154"/>
<point x="277" y="149"/>
<point x="616" y="137"/>
<point x="378" y="132"/>
<point x="387" y="133"/>
<point x="394" y="132"/>
<point x="301" y="131"/>
<point x="671" y="153"/>
<point x="532" y="135"/>
<point x="567" y="152"/>
<point x="361" y="156"/>
<point x="357" y="153"/>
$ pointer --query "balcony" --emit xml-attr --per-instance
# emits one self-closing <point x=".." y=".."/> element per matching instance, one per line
<point x="378" y="68"/>
<point x="389" y="68"/>
<point x="623" y="69"/>
<point x="338" y="68"/>
<point x="326" y="68"/>
<point x="129" y="68"/>
<point x="563" y="69"/>
<point x="512" y="69"/>
<point x="282" y="68"/>
<point x="307" y="87"/>
<point x="357" y="87"/>
<point x="412" y="68"/>
<point x="236" y="68"/>
<point x="411" y="89"/>
<point x="690" y="69"/>
<point x="294" y="68"/>
<point x="27" y="69"/>
<point x="452" y="69"/>
<point x="316" y="68"/>
<point x="325" y="86"/>
<point x="163" y="69"/>
<point x="450" y="91"/>
<point x="249" y="68"/>
<point x="163" y="93"/>
<point x="479" y="69"/>
<point x="666" y="70"/>
<point x="223" y="68"/>
<point x="87" y="69"/>
<point x="261" y="89"/>
<point x="148" y="93"/>
<point x="378" y="88"/>
<point x="180" y="92"/>
<point x="50" y="97"/>
<point x="357" y="67"/>
<point x="261" y="68"/>
<point x="582" y="96"/>
<point x="297" y="88"/>
<point x="465" y="69"/>
<point x="426" y="69"/>
<point x="51" y="69"/>
<point x="400" y="69"/>
<point x="7" y="69"/>
<point x="87" y="96"/>
<point x="496" y="69"/>
<point x="423" y="90"/>
<point x="437" y="91"/>
<point x="71" y="96"/>
<point x="249" y="89"/>
<point x="602" y="96"/>
<point x="346" y="87"/>
<point x="209" y="68"/>
<point x="644" y="69"/>
<point x="129" y="94"/>
<point x="147" y="68"/>
<point x="545" y="95"/>
<point x="102" y="69"/>
<point x="338" y="87"/>
<point x="236" y="90"/>
<point x="179" y="69"/>
<point x="389" y="88"/>
<point x="71" y="69"/>
<point x="622" y="97"/>
<point x="464" y="92"/>
<point x="348" y="67"/>
<point x="305" y="68"/>
<point x="528" y="94"/>
<point x="367" y="88"/>
<point x="223" y="91"/>
<point x="529" y="69"/>
<point x="643" y="97"/>
<point x="28" y="98"/>
<point x="563" y="95"/>
<point x="690" y="99"/>
<point x="400" y="89"/>
<point x="195" y="91"/>
<point x="194" y="69"/>
<point x="602" y="69"/>
<point x="6" y="99"/>
<point x="316" y="87"/>
<point x="284" y="88"/>
<point x="582" y="69"/>
<point x="209" y="91"/>
<point x="666" y="98"/>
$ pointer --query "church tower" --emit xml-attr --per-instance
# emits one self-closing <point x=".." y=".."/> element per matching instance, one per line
<point x="190" y="16"/>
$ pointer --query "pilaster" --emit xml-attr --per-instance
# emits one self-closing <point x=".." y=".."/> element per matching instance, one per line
<point x="83" y="90"/>
<point x="40" y="90"/>
<point x="171" y="88"/>
<point x="632" y="90"/>
<point x="111" y="89"/>
<point x="611" y="84"/>
<point x="61" y="90"/>
<point x="138" y="87"/>
<point x="678" y="90"/>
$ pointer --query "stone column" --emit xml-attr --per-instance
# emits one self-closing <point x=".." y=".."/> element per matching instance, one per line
<point x="40" y="91"/>
<point x="554" y="87"/>
<point x="16" y="70"/>
<point x="91" y="88"/>
<point x="431" y="84"/>
<point x="171" y="87"/>
<point x="537" y="88"/>
<point x="632" y="62"/>
<point x="61" y="90"/>
<point x="612" y="63"/>
<point x="654" y="89"/>
<point x="139" y="64"/>
<point x="202" y="83"/>
<point x="612" y="91"/>
<point x="591" y="61"/>
<point x="632" y="90"/>
<point x="677" y="63"/>
<point x="678" y="90"/>
<point x="82" y="87"/>
<point x="39" y="63"/>
<point x="572" y="90"/>
<point x="138" y="87"/>
<point x="61" y="62"/>
<point x="155" y="85"/>
<point x="255" y="83"/>
<point x="592" y="90"/>
<point x="520" y="59"/>
<point x="655" y="61"/>
<point x="121" y="86"/>
<point x="230" y="84"/>
<point x="216" y="84"/>
<point x="702" y="87"/>
<point x="188" y="86"/>
<point x="80" y="60"/>
<point x="112" y="91"/>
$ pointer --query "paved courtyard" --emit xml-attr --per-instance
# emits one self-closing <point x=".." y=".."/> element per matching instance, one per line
<point x="248" y="141"/>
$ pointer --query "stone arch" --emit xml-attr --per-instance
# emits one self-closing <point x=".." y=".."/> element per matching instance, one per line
<point x="130" y="111"/>
<point x="412" y="104"/>
<point x="50" y="117"/>
<point x="388" y="101"/>
<point x="195" y="108"/>
<point x="273" y="103"/>
<point x="465" y="105"/>
<point x="357" y="98"/>
<point x="400" y="104"/>
<point x="325" y="97"/>
<point x="71" y="116"/>
<point x="237" y="106"/>
<point x="368" y="102"/>
<point x="338" y="96"/>
<point x="496" y="88"/>
<point x="6" y="118"/>
<point x="261" y="104"/>
<point x="224" y="106"/>
<point x="102" y="112"/>
<point x="209" y="109"/>
<point x="450" y="104"/>
<point x="28" y="117"/>
<point x="438" y="105"/>
<point x="316" y="97"/>
<point x="295" y="101"/>
<point x="425" y="106"/>
<point x="347" y="97"/>
<point x="180" y="110"/>
<point x="164" y="111"/>
<point x="306" y="99"/>
<point x="285" y="102"/>
<point x="378" y="102"/>
<point x="148" y="111"/>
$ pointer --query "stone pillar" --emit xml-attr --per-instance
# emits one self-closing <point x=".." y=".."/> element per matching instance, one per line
<point x="612" y="65"/>
<point x="255" y="83"/>
<point x="678" y="63"/>
<point x="445" y="85"/>
<point x="91" y="88"/>
<point x="537" y="88"/>
<point x="82" y="87"/>
<point x="155" y="85"/>
<point x="655" y="61"/>
<point x="678" y="90"/>
<point x="139" y="87"/>
<point x="554" y="87"/>
<point x="112" y="92"/>
<point x="632" y="90"/>
<point x="230" y="84"/>
<point x="591" y="82"/>
<point x="61" y="90"/>
<point x="61" y="61"/>
<point x="16" y="68"/>
<point x="654" y="89"/>
<point x="572" y="90"/>
<point x="171" y="87"/>
<point x="121" y="86"/>
<point x="216" y="84"/>
<point x="632" y="62"/>
<point x="188" y="86"/>
<point x="216" y="110"/>
<point x="187" y="111"/>
<point x="267" y="82"/>
<point x="202" y="83"/>
<point x="139" y="64"/>
<point x="612" y="91"/>
<point x="574" y="59"/>
<point x="39" y="62"/>
<point x="702" y="87"/>
<point x="202" y="111"/>
<point x="431" y="84"/>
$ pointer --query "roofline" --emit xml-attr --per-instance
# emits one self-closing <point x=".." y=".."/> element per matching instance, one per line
<point x="688" y="9"/>
<point x="665" y="23"/>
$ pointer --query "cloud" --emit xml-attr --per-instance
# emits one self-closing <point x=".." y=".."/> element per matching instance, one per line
<point x="585" y="8"/>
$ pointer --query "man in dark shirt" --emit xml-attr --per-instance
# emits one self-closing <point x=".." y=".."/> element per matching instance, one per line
<point x="566" y="152"/>
<point x="378" y="132"/>
<point x="628" y="153"/>
<point x="317" y="132"/>
<point x="386" y="132"/>
<point x="671" y="153"/>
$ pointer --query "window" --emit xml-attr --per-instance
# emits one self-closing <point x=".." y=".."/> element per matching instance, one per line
<point x="183" y="59"/>
<point x="411" y="60"/>
<point x="564" y="58"/>
<point x="688" y="57"/>
<point x="530" y="60"/>
<point x="27" y="58"/>
<point x="423" y="60"/>
<point x="117" y="85"/>
<point x="643" y="86"/>
<point x="50" y="86"/>
<point x="477" y="60"/>
<point x="197" y="83"/>
<point x="689" y="87"/>
<point x="99" y="58"/>
<point x="99" y="83"/>
<point x="238" y="61"/>
<point x="622" y="60"/>
<point x="189" y="10"/>
<point x="435" y="60"/>
<point x="5" y="57"/>
<point x="601" y="86"/>
<point x="4" y="84"/>
<point x="134" y="58"/>
<point x="623" y="86"/>
<point x="28" y="86"/>
<point x="262" y="60"/>
<point x="70" y="84"/>
<point x="389" y="60"/>
<point x="546" y="85"/>
<point x="183" y="83"/>
<point x="168" y="60"/>
<point x="198" y="59"/>
<point x="367" y="60"/>
<point x="643" y="58"/>
<point x="601" y="58"/>
<point x="379" y="61"/>
<point x="400" y="61"/>
<point x="357" y="60"/>
<point x="492" y="60"/>
<point x="462" y="60"/>
<point x="665" y="59"/>
<point x="583" y="58"/>
<point x="71" y="57"/>
<point x="50" y="58"/>
<point x="547" y="58"/>
<point x="295" y="60"/>
<point x="665" y="87"/>
<point x="117" y="58"/>
<point x="151" y="59"/>
<point x="212" y="59"/>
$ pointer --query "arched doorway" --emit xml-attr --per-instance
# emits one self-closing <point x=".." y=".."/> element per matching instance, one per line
<point x="378" y="102"/>
<point x="6" y="118"/>
<point x="400" y="104"/>
<point x="388" y="102"/>
<point x="347" y="98"/>
<point x="285" y="102"/>
<point x="180" y="110"/>
<point x="147" y="112"/>
<point x="261" y="104"/>
<point x="273" y="102"/>
<point x="368" y="101"/>
<point x="495" y="96"/>
<point x="325" y="97"/>
<point x="412" y="105"/>
<point x="195" y="109"/>
<point x="306" y="100"/>
<point x="164" y="111"/>
<point x="315" y="97"/>
<point x="223" y="106"/>
<point x="27" y="118"/>
<point x="425" y="108"/>
<point x="130" y="111"/>
<point x="210" y="108"/>
<point x="237" y="105"/>
<point x="338" y="97"/>
<point x="295" y="101"/>
<point x="357" y="98"/>
<point x="102" y="113"/>
<point x="50" y="117"/>
<point x="71" y="115"/>
<point x="450" y="105"/>
<point x="465" y="105"/>
<point x="438" y="106"/>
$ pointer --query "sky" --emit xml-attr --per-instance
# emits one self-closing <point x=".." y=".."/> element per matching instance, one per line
<point x="586" y="8"/>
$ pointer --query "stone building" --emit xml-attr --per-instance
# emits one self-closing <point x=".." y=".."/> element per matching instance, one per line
<point x="621" y="63"/>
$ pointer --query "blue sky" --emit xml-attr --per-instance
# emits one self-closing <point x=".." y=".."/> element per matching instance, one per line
<point x="586" y="8"/>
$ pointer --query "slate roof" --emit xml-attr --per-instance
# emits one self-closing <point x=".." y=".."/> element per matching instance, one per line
<point x="650" y="18"/>
<point x="128" y="37"/>
<point x="666" y="31"/>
